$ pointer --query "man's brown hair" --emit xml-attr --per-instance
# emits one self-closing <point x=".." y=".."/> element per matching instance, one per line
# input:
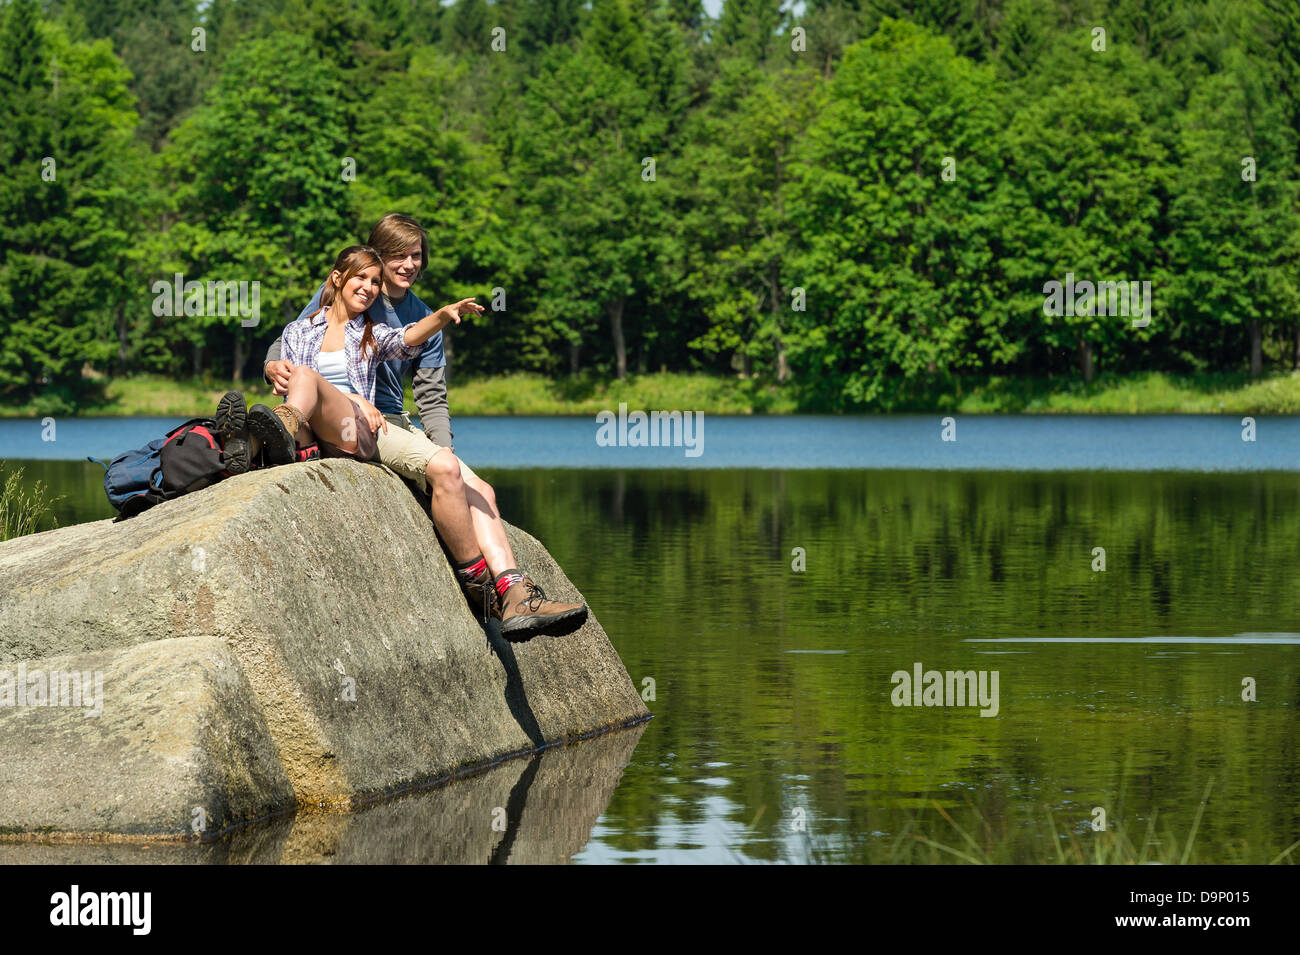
<point x="394" y="234"/>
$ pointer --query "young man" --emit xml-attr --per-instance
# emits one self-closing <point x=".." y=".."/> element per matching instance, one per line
<point x="463" y="505"/>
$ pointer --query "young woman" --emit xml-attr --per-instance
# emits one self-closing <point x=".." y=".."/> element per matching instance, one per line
<point x="333" y="353"/>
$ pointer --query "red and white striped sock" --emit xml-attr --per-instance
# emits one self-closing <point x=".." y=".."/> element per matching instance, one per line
<point x="471" y="570"/>
<point x="508" y="579"/>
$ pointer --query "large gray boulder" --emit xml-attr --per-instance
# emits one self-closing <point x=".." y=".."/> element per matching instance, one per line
<point x="292" y="636"/>
<point x="190" y="744"/>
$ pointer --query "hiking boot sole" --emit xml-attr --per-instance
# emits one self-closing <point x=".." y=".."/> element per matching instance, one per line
<point x="232" y="424"/>
<point x="276" y="443"/>
<point x="525" y="627"/>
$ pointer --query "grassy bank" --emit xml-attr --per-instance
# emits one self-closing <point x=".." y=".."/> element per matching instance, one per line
<point x="1147" y="393"/>
<point x="513" y="394"/>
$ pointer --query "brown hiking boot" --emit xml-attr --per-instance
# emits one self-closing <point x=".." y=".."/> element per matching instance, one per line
<point x="277" y="430"/>
<point x="291" y="418"/>
<point x="232" y="424"/>
<point x="482" y="594"/>
<point x="525" y="610"/>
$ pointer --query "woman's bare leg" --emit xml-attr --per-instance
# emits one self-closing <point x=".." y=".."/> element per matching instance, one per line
<point x="327" y="410"/>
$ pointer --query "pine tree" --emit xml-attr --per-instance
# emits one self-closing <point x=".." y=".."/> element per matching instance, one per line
<point x="1023" y="35"/>
<point x="749" y="28"/>
<point x="547" y="23"/>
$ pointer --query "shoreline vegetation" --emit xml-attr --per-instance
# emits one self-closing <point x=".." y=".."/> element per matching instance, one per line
<point x="24" y="508"/>
<point x="531" y="394"/>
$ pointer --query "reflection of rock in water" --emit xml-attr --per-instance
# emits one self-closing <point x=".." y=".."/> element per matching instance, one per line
<point x="569" y="793"/>
<point x="259" y="844"/>
<point x="548" y="805"/>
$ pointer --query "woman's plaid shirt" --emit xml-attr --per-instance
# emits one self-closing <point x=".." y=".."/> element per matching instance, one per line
<point x="302" y="339"/>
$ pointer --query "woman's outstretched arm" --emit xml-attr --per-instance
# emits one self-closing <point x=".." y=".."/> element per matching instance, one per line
<point x="405" y="342"/>
<point x="417" y="333"/>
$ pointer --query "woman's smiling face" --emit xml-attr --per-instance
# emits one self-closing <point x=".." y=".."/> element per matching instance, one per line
<point x="361" y="289"/>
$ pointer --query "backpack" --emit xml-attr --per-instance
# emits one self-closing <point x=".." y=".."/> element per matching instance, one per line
<point x="132" y="473"/>
<point x="186" y="459"/>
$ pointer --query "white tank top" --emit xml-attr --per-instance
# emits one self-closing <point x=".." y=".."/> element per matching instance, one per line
<point x="333" y="367"/>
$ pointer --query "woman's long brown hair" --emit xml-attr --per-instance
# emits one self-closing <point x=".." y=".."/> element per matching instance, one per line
<point x="351" y="262"/>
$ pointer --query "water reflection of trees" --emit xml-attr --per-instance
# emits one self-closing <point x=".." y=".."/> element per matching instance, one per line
<point x="693" y="581"/>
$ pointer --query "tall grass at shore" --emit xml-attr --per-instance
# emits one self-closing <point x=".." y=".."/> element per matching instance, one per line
<point x="23" y="509"/>
<point x="1038" y="839"/>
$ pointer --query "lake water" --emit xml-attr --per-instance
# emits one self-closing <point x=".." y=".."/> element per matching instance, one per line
<point x="776" y="735"/>
<point x="979" y="442"/>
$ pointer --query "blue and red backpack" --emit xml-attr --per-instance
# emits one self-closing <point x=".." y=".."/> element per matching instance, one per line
<point x="187" y="458"/>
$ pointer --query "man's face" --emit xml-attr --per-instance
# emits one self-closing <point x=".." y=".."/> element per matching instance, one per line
<point x="400" y="271"/>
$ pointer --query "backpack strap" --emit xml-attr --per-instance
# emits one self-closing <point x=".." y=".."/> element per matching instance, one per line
<point x="206" y="423"/>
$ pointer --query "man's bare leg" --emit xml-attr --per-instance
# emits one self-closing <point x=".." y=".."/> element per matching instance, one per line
<point x="449" y="508"/>
<point x="488" y="529"/>
<point x="485" y="562"/>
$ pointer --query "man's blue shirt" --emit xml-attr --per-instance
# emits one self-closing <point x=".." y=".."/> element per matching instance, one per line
<point x="390" y="374"/>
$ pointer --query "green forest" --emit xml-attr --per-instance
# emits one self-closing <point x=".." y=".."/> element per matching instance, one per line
<point x="854" y="201"/>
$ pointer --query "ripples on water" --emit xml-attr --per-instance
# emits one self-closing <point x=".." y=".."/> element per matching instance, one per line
<point x="774" y="686"/>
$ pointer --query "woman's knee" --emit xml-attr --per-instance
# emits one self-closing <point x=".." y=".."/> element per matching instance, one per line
<point x="301" y="373"/>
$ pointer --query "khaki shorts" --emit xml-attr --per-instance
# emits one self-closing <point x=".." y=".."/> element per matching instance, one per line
<point x="408" y="451"/>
